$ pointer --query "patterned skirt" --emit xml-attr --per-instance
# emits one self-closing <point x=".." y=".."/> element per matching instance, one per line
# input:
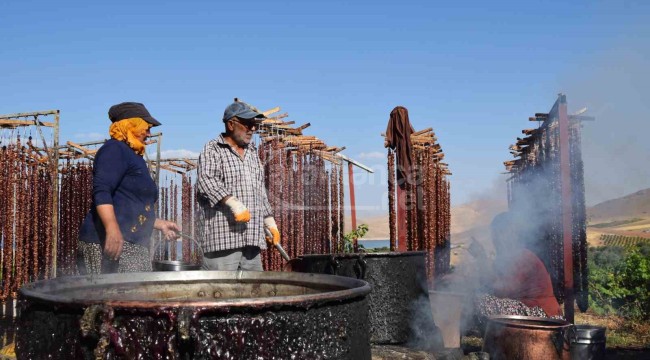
<point x="134" y="258"/>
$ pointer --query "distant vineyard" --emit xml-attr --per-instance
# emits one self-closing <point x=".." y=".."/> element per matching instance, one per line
<point x="622" y="240"/>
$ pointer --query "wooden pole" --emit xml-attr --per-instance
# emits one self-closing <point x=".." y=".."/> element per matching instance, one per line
<point x="55" y="192"/>
<point x="567" y="208"/>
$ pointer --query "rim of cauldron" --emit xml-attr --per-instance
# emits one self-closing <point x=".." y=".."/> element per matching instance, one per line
<point x="365" y="254"/>
<point x="52" y="290"/>
<point x="176" y="265"/>
<point x="520" y="321"/>
<point x="591" y="330"/>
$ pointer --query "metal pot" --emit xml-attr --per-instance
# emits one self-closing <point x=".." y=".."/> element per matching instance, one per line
<point x="588" y="343"/>
<point x="173" y="265"/>
<point x="194" y="315"/>
<point x="159" y="263"/>
<point x="399" y="300"/>
<point x="525" y="337"/>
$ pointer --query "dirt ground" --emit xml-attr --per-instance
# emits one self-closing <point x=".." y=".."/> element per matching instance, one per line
<point x="636" y="227"/>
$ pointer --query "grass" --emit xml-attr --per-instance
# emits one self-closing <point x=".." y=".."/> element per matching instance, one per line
<point x="621" y="333"/>
<point x="378" y="250"/>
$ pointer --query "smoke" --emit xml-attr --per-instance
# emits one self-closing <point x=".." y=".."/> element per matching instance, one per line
<point x="615" y="148"/>
<point x="425" y="334"/>
<point x="470" y="224"/>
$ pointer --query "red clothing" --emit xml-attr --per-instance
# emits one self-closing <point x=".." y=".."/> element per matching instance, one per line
<point x="527" y="280"/>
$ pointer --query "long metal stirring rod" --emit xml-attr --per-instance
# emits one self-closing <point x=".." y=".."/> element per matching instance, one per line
<point x="277" y="246"/>
<point x="282" y="252"/>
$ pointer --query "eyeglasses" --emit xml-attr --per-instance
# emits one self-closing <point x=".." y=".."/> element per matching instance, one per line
<point x="248" y="124"/>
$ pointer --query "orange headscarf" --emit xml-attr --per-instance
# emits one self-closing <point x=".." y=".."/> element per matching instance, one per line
<point x="127" y="129"/>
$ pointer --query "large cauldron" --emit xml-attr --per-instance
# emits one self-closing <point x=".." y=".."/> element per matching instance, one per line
<point x="525" y="337"/>
<point x="195" y="315"/>
<point x="399" y="301"/>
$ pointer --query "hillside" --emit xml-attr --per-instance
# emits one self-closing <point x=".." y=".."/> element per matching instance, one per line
<point x="472" y="219"/>
<point x="636" y="205"/>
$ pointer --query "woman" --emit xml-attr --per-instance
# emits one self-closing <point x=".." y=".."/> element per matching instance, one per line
<point x="519" y="282"/>
<point x="114" y="236"/>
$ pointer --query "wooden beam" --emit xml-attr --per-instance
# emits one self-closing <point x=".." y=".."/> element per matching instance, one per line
<point x="182" y="166"/>
<point x="271" y="111"/>
<point x="421" y="132"/>
<point x="303" y="126"/>
<point x="30" y="114"/>
<point x="423" y="141"/>
<point x="15" y="123"/>
<point x="274" y="119"/>
<point x="169" y="168"/>
<point x="78" y="147"/>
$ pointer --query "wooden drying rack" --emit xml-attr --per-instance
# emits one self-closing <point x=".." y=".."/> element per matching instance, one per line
<point x="176" y="165"/>
<point x="274" y="128"/>
<point x="46" y="156"/>
<point x="519" y="148"/>
<point x="426" y="139"/>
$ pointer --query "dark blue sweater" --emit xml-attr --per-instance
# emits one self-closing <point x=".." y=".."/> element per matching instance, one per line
<point x="121" y="178"/>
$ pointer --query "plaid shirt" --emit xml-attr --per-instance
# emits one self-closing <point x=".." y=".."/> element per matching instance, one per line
<point x="222" y="172"/>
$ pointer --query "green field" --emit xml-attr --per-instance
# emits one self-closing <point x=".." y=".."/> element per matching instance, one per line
<point x="622" y="240"/>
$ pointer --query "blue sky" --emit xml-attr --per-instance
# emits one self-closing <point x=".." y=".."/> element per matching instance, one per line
<point x="472" y="70"/>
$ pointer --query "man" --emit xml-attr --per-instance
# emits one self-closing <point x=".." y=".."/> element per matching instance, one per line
<point x="234" y="210"/>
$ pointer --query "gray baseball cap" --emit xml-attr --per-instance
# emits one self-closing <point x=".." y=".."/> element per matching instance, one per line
<point x="128" y="110"/>
<point x="243" y="111"/>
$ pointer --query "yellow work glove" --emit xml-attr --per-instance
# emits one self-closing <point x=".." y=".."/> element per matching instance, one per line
<point x="241" y="213"/>
<point x="9" y="351"/>
<point x="271" y="230"/>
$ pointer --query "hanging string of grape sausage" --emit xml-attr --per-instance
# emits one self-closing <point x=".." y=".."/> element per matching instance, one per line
<point x="285" y="209"/>
<point x="341" y="203"/>
<point x="392" y="216"/>
<point x="334" y="210"/>
<point x="19" y="218"/>
<point x="6" y="222"/>
<point x="186" y="216"/>
<point x="581" y="271"/>
<point x="300" y="203"/>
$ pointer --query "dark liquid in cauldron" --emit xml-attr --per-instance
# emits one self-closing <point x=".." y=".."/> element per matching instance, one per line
<point x="218" y="320"/>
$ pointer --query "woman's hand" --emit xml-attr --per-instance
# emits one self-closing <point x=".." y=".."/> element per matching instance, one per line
<point x="114" y="239"/>
<point x="114" y="243"/>
<point x="169" y="229"/>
